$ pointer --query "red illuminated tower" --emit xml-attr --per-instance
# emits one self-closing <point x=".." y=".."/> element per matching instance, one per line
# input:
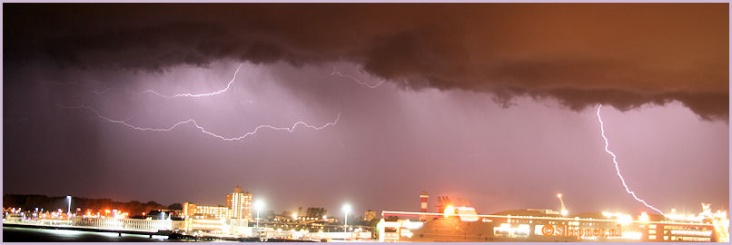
<point x="423" y="198"/>
<point x="423" y="208"/>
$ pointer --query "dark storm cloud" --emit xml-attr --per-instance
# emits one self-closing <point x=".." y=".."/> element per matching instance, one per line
<point x="625" y="55"/>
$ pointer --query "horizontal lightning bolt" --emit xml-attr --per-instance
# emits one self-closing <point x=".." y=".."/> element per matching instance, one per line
<point x="338" y="73"/>
<point x="204" y="130"/>
<point x="228" y="86"/>
<point x="617" y="169"/>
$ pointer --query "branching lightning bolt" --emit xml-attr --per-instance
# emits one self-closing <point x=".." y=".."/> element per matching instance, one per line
<point x="193" y="122"/>
<point x="204" y="130"/>
<point x="228" y="86"/>
<point x="617" y="169"/>
<point x="372" y="86"/>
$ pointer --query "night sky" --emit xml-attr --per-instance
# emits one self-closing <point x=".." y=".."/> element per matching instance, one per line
<point x="490" y="103"/>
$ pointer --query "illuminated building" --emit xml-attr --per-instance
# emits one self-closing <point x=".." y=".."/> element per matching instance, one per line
<point x="239" y="204"/>
<point x="189" y="209"/>
<point x="213" y="211"/>
<point x="463" y="224"/>
<point x="192" y="209"/>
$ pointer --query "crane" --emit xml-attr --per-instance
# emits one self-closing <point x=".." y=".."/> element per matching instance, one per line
<point x="564" y="211"/>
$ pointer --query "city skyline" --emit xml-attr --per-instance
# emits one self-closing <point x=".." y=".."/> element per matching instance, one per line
<point x="326" y="104"/>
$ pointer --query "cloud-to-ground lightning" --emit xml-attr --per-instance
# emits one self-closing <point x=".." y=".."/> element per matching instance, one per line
<point x="617" y="169"/>
<point x="204" y="130"/>
<point x="338" y="73"/>
<point x="228" y="86"/>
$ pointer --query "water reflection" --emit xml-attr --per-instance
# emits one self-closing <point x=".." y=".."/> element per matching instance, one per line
<point x="16" y="234"/>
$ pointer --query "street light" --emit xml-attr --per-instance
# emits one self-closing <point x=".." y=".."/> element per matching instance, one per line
<point x="69" y="199"/>
<point x="258" y="205"/>
<point x="564" y="211"/>
<point x="346" y="209"/>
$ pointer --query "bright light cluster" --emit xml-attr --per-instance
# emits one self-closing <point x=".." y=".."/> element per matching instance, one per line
<point x="114" y="214"/>
<point x="622" y="219"/>
<point x="467" y="214"/>
<point x="449" y="211"/>
<point x="644" y="217"/>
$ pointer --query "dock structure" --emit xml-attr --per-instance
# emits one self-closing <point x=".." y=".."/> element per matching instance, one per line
<point x="133" y="227"/>
<point x="119" y="231"/>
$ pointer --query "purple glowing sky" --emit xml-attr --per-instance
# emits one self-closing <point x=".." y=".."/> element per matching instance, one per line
<point x="509" y="136"/>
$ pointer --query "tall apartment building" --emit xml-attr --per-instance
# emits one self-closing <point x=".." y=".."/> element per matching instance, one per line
<point x="239" y="204"/>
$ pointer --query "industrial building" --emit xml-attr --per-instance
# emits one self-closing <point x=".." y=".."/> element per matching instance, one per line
<point x="458" y="222"/>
